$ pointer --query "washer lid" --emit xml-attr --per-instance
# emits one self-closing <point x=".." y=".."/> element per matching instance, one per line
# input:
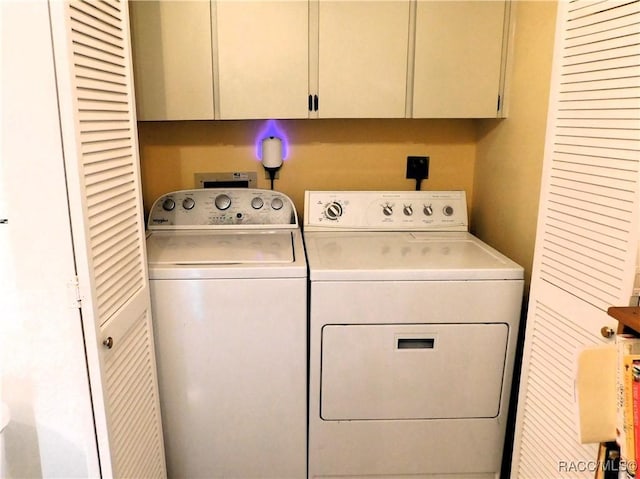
<point x="377" y="256"/>
<point x="192" y="248"/>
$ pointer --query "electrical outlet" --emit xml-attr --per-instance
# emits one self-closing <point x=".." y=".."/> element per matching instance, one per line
<point x="418" y="167"/>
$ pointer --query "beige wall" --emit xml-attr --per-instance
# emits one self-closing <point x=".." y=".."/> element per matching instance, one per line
<point x="510" y="152"/>
<point x="323" y="154"/>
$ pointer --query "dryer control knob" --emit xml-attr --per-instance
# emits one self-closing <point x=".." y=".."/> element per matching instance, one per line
<point x="428" y="210"/>
<point x="188" y="203"/>
<point x="168" y="204"/>
<point x="333" y="211"/>
<point x="407" y="210"/>
<point x="448" y="210"/>
<point x="387" y="210"/>
<point x="222" y="202"/>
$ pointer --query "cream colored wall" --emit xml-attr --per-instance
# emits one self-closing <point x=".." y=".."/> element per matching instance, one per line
<point x="323" y="154"/>
<point x="510" y="152"/>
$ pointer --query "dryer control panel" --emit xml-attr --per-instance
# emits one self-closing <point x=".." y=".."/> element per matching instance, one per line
<point x="214" y="208"/>
<point x="385" y="210"/>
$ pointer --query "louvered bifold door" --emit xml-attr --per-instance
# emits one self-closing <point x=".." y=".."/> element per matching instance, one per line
<point x="587" y="237"/>
<point x="93" y="67"/>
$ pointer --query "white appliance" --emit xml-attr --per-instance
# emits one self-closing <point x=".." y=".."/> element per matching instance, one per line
<point x="413" y="326"/>
<point x="228" y="292"/>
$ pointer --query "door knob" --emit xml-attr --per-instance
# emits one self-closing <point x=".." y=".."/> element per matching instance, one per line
<point x="108" y="343"/>
<point x="607" y="332"/>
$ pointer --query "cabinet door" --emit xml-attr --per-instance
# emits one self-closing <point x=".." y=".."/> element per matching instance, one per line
<point x="458" y="58"/>
<point x="588" y="233"/>
<point x="100" y="149"/>
<point x="172" y="59"/>
<point x="363" y="58"/>
<point x="262" y="59"/>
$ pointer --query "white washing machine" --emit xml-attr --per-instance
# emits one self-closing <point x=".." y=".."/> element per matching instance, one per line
<point x="228" y="281"/>
<point x="413" y="326"/>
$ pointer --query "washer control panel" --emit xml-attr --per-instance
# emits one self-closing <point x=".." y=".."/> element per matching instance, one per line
<point x="386" y="210"/>
<point x="220" y="208"/>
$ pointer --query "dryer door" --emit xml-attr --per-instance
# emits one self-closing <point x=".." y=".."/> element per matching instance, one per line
<point x="412" y="371"/>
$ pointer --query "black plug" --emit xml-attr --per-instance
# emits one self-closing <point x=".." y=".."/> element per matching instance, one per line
<point x="272" y="173"/>
<point x="418" y="169"/>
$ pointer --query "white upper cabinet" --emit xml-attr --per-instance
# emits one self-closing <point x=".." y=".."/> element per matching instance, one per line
<point x="172" y="59"/>
<point x="458" y="58"/>
<point x="362" y="59"/>
<point x="246" y="59"/>
<point x="262" y="59"/>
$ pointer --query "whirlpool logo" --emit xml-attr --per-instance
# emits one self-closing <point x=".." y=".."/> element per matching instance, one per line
<point x="159" y="221"/>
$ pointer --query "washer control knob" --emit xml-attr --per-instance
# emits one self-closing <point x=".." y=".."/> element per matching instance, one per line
<point x="333" y="211"/>
<point x="447" y="210"/>
<point x="277" y="203"/>
<point x="222" y="202"/>
<point x="257" y="203"/>
<point x="407" y="210"/>
<point x="387" y="210"/>
<point x="188" y="203"/>
<point x="427" y="210"/>
<point x="168" y="204"/>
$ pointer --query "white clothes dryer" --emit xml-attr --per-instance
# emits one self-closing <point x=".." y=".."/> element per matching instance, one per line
<point x="413" y="327"/>
<point x="228" y="281"/>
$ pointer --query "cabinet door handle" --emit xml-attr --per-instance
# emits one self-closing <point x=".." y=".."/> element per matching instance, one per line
<point x="310" y="103"/>
<point x="315" y="102"/>
<point x="607" y="332"/>
<point x="108" y="343"/>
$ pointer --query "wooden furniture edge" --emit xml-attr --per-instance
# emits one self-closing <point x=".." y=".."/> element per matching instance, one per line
<point x="627" y="316"/>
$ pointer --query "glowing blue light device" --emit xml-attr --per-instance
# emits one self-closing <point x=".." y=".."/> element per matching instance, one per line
<point x="271" y="148"/>
<point x="272" y="129"/>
